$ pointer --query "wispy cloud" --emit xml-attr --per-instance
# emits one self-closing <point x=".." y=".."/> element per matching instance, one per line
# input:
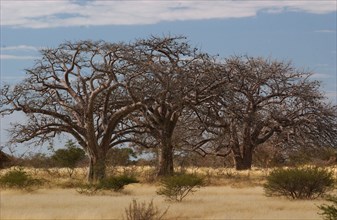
<point x="326" y="31"/>
<point x="47" y="14"/>
<point x="15" y="57"/>
<point x="321" y="76"/>
<point x="18" y="52"/>
<point x="19" y="47"/>
<point x="322" y="65"/>
<point x="11" y="78"/>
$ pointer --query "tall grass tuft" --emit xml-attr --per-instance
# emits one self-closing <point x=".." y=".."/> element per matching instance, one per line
<point x="143" y="211"/>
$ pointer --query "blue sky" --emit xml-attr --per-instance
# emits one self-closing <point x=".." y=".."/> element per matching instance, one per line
<point x="303" y="32"/>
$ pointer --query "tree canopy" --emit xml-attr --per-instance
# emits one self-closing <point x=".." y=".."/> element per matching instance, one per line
<point x="261" y="101"/>
<point x="161" y="92"/>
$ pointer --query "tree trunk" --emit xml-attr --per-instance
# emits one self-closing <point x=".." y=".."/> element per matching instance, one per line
<point x="165" y="158"/>
<point x="244" y="161"/>
<point x="97" y="168"/>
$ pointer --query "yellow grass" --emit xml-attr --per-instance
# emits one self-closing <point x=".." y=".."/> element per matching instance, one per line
<point x="213" y="202"/>
<point x="229" y="195"/>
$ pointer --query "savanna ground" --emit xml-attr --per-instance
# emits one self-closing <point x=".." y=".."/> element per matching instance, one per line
<point x="228" y="195"/>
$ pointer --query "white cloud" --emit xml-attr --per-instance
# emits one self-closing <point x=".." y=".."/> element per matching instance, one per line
<point x="19" y="47"/>
<point x="322" y="65"/>
<point x="321" y="76"/>
<point x="45" y="14"/>
<point x="15" y="57"/>
<point x="326" y="31"/>
<point x="11" y="78"/>
<point x="18" y="52"/>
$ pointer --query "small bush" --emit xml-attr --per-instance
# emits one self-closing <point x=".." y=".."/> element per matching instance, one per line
<point x="115" y="183"/>
<point x="176" y="188"/>
<point x="299" y="183"/>
<point x="143" y="211"/>
<point x="87" y="189"/>
<point x="329" y="212"/>
<point x="19" y="179"/>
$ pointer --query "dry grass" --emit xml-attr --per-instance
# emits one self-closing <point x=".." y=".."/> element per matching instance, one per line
<point x="230" y="195"/>
<point x="214" y="202"/>
<point x="146" y="174"/>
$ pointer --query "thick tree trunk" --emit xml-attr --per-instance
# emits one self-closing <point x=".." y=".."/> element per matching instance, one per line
<point x="243" y="163"/>
<point x="97" y="168"/>
<point x="165" y="158"/>
<point x="244" y="160"/>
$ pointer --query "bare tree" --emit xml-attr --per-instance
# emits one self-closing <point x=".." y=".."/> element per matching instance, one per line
<point x="168" y="73"/>
<point x="260" y="100"/>
<point x="78" y="89"/>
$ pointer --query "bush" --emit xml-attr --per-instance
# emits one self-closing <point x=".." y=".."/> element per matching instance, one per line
<point x="19" y="179"/>
<point x="143" y="211"/>
<point x="176" y="188"/>
<point x="115" y="183"/>
<point x="299" y="183"/>
<point x="329" y="212"/>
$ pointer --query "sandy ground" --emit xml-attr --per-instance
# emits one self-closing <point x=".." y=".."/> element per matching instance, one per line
<point x="213" y="202"/>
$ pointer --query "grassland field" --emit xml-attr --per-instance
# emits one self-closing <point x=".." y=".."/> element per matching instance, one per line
<point x="229" y="194"/>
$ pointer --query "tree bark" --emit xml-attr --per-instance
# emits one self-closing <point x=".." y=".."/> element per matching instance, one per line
<point x="244" y="161"/>
<point x="97" y="168"/>
<point x="165" y="158"/>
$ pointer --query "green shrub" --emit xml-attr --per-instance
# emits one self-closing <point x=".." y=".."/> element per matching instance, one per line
<point x="114" y="183"/>
<point x="299" y="183"/>
<point x="143" y="211"/>
<point x="19" y="179"/>
<point x="329" y="212"/>
<point x="176" y="188"/>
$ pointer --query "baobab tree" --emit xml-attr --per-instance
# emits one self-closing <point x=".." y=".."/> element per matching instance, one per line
<point x="263" y="101"/>
<point x="78" y="89"/>
<point x="168" y="75"/>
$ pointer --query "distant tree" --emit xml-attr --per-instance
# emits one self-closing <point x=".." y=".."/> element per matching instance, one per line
<point x="38" y="160"/>
<point x="263" y="101"/>
<point x="120" y="156"/>
<point x="68" y="157"/>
